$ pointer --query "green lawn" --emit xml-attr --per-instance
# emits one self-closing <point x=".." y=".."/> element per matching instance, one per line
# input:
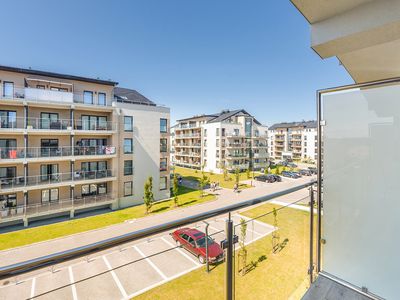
<point x="37" y="234"/>
<point x="271" y="276"/>
<point x="192" y="174"/>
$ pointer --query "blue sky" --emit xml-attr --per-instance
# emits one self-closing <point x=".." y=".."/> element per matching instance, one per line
<point x="193" y="56"/>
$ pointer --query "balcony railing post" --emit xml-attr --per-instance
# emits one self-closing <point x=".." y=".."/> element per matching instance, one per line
<point x="229" y="258"/>
<point x="311" y="266"/>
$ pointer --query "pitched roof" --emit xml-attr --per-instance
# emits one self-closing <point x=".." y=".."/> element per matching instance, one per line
<point x="131" y="96"/>
<point x="57" y="75"/>
<point x="304" y="124"/>
<point x="226" y="114"/>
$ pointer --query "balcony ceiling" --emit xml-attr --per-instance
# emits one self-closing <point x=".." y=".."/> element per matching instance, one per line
<point x="363" y="34"/>
<point x="318" y="10"/>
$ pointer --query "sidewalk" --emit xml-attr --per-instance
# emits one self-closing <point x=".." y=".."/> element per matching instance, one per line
<point x="224" y="197"/>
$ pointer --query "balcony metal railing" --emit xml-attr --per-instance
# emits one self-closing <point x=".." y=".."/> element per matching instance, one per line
<point x="48" y="179"/>
<point x="59" y="124"/>
<point x="51" y="96"/>
<point x="7" y="213"/>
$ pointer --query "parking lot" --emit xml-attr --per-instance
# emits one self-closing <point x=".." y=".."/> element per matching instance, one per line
<point x="122" y="273"/>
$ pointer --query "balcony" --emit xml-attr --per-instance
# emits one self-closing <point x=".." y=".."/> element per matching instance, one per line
<point x="19" y="183"/>
<point x="53" y="97"/>
<point x="10" y="214"/>
<point x="238" y="145"/>
<point x="42" y="154"/>
<point x="188" y="135"/>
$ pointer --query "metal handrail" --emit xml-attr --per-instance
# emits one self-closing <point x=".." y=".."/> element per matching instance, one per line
<point x="36" y="263"/>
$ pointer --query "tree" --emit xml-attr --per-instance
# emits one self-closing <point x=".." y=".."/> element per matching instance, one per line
<point x="275" y="233"/>
<point x="277" y="170"/>
<point x="175" y="189"/>
<point x="248" y="173"/>
<point x="242" y="255"/>
<point x="237" y="176"/>
<point x="148" y="194"/>
<point x="204" y="180"/>
<point x="224" y="171"/>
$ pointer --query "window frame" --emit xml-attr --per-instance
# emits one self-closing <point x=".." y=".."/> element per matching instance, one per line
<point x="131" y="148"/>
<point x="162" y="146"/>
<point x="98" y="99"/>
<point x="166" y="125"/>
<point x="129" y="173"/>
<point x="131" y="188"/>
<point x="13" y="89"/>
<point x="162" y="160"/>
<point x="163" y="178"/>
<point x="84" y="98"/>
<point x="131" y="123"/>
<point x="50" y="200"/>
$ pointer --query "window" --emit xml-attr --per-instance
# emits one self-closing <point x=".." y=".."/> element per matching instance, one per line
<point x="8" y="89"/>
<point x="236" y="132"/>
<point x="163" y="183"/>
<point x="49" y="147"/>
<point x="205" y="132"/>
<point x="163" y="125"/>
<point x="50" y="195"/>
<point x="94" y="189"/>
<point x="102" y="99"/>
<point x="305" y="138"/>
<point x="58" y="89"/>
<point x="163" y="164"/>
<point x="40" y="87"/>
<point x="8" y="119"/>
<point x="163" y="145"/>
<point x="128" y="188"/>
<point x="128" y="146"/>
<point x="128" y="123"/>
<point x="223" y="131"/>
<point x="128" y="167"/>
<point x="49" y="172"/>
<point x="9" y="200"/>
<point x="217" y="142"/>
<point x="88" y="97"/>
<point x="49" y="121"/>
<point x="93" y="122"/>
<point x="217" y="131"/>
<point x="7" y="176"/>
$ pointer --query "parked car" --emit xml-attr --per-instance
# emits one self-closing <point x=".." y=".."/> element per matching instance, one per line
<point x="290" y="174"/>
<point x="277" y="177"/>
<point x="305" y="172"/>
<point x="291" y="165"/>
<point x="194" y="241"/>
<point x="313" y="170"/>
<point x="262" y="178"/>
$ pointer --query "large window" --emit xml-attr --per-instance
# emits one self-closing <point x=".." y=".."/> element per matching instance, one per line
<point x="9" y="200"/>
<point x="8" y="89"/>
<point x="8" y="119"/>
<point x="94" y="122"/>
<point x="163" y="164"/>
<point x="128" y="146"/>
<point x="128" y="167"/>
<point x="128" y="123"/>
<point x="163" y="183"/>
<point x="49" y="121"/>
<point x="163" y="125"/>
<point x="163" y="145"/>
<point x="88" y="97"/>
<point x="128" y="188"/>
<point x="8" y="148"/>
<point x="94" y="189"/>
<point x="50" y="195"/>
<point x="49" y="172"/>
<point x="49" y="147"/>
<point x="92" y="170"/>
<point x="102" y="99"/>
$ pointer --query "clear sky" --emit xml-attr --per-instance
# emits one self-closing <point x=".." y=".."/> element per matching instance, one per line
<point x="193" y="56"/>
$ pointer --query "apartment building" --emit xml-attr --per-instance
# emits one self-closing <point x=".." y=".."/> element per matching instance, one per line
<point x="294" y="140"/>
<point x="229" y="139"/>
<point x="69" y="144"/>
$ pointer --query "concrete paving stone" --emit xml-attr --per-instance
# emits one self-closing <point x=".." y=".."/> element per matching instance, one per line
<point x="15" y="292"/>
<point x="65" y="293"/>
<point x="85" y="269"/>
<point x="99" y="287"/>
<point x="169" y="263"/>
<point x="52" y="280"/>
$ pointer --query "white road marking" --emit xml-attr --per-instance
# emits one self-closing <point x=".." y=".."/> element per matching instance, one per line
<point x="73" y="287"/>
<point x="151" y="263"/>
<point x="256" y="221"/>
<point x="115" y="277"/>
<point x="33" y="287"/>
<point x="181" y="252"/>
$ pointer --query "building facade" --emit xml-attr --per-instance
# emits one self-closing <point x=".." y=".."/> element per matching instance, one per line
<point x="295" y="140"/>
<point x="70" y="143"/>
<point x="230" y="139"/>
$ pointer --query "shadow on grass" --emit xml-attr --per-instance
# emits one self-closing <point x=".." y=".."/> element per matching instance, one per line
<point x="187" y="202"/>
<point x="160" y="209"/>
<point x="254" y="264"/>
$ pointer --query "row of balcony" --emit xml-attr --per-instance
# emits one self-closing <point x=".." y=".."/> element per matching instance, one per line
<point x="194" y="145"/>
<point x="188" y="135"/>
<point x="63" y="97"/>
<point x="54" y="152"/>
<point x="7" y="123"/>
<point x="44" y="208"/>
<point x="193" y="154"/>
<point x="21" y="182"/>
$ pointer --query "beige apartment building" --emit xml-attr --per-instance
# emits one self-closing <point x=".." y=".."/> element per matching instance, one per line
<point x="293" y="140"/>
<point x="69" y="144"/>
<point x="229" y="139"/>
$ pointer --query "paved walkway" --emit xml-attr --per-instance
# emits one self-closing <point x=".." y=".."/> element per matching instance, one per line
<point x="225" y="197"/>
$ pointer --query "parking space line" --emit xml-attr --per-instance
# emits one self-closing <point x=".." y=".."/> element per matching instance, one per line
<point x="256" y="221"/>
<point x="73" y="287"/>
<point x="181" y="252"/>
<point x="115" y="277"/>
<point x="33" y="287"/>
<point x="151" y="263"/>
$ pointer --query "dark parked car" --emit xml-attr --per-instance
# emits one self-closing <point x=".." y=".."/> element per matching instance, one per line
<point x="313" y="170"/>
<point x="305" y="172"/>
<point x="265" y="178"/>
<point x="291" y="165"/>
<point x="291" y="174"/>
<point x="194" y="241"/>
<point x="277" y="177"/>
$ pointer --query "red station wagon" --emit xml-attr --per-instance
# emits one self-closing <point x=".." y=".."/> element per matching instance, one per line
<point x="194" y="241"/>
